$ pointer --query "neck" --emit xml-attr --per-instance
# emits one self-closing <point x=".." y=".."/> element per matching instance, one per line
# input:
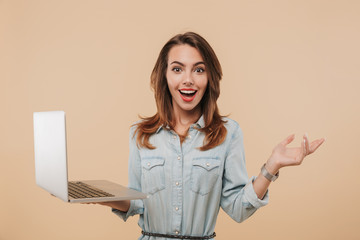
<point x="184" y="119"/>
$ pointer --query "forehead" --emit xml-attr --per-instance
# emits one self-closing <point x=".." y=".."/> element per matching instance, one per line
<point x="185" y="54"/>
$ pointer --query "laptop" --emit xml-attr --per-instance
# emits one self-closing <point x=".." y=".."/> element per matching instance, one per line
<point x="51" y="166"/>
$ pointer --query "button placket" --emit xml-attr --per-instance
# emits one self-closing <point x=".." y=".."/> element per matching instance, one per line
<point x="177" y="191"/>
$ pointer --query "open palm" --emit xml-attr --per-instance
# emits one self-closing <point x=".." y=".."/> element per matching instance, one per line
<point x="283" y="156"/>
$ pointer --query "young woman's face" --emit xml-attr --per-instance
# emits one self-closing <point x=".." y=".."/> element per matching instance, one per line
<point x="186" y="77"/>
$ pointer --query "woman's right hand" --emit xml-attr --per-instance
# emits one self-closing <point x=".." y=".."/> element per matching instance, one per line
<point x="119" y="205"/>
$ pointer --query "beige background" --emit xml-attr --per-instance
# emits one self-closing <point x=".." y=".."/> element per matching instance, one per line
<point x="289" y="67"/>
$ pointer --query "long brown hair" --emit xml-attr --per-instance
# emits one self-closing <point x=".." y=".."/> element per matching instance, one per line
<point x="214" y="129"/>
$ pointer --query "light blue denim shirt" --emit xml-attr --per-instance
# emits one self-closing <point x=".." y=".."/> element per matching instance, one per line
<point x="186" y="186"/>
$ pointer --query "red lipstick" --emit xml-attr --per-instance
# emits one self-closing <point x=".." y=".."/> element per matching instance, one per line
<point x="187" y="94"/>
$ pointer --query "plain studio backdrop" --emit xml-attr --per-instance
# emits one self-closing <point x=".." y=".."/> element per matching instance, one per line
<point x="289" y="67"/>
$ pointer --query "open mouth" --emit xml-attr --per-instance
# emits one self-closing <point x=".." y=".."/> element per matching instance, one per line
<point x="187" y="94"/>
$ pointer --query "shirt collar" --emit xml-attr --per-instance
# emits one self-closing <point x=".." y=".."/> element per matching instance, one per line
<point x="161" y="127"/>
<point x="199" y="124"/>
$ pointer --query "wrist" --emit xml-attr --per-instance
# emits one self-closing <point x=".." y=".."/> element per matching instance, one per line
<point x="272" y="167"/>
<point x="269" y="176"/>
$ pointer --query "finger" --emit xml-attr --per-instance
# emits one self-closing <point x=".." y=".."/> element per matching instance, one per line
<point x="303" y="148"/>
<point x="316" y="144"/>
<point x="288" y="140"/>
<point x="307" y="144"/>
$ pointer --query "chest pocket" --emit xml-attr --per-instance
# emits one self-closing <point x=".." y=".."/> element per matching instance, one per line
<point x="153" y="174"/>
<point x="204" y="174"/>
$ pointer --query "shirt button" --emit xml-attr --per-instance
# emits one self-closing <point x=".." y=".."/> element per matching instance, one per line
<point x="189" y="137"/>
<point x="179" y="157"/>
<point x="177" y="183"/>
<point x="176" y="232"/>
<point x="176" y="208"/>
<point x="208" y="164"/>
<point x="148" y="164"/>
<point x="174" y="137"/>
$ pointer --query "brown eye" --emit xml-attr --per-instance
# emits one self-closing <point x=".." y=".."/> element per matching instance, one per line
<point x="199" y="70"/>
<point x="176" y="69"/>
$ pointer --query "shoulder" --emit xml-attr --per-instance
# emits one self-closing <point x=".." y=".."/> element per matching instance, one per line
<point x="233" y="128"/>
<point x="135" y="125"/>
<point x="133" y="129"/>
<point x="230" y="124"/>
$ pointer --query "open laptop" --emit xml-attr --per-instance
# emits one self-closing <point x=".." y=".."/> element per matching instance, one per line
<point x="51" y="166"/>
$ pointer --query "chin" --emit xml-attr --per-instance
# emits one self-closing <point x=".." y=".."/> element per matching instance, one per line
<point x="189" y="108"/>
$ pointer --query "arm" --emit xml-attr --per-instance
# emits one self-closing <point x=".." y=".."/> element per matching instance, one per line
<point x="283" y="156"/>
<point x="119" y="205"/>
<point x="238" y="198"/>
<point x="127" y="208"/>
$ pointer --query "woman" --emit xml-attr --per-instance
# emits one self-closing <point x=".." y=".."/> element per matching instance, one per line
<point x="188" y="158"/>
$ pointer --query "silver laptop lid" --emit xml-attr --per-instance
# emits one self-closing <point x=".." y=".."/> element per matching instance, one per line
<point x="50" y="153"/>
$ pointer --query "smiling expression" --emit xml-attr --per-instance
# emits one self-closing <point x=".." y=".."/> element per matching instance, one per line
<point x="186" y="78"/>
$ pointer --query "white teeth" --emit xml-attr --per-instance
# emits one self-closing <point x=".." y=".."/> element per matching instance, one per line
<point x="187" y="91"/>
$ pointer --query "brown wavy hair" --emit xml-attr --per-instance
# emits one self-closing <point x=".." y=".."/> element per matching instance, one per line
<point x="214" y="129"/>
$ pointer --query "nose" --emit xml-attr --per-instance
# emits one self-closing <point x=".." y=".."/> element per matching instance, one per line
<point x="188" y="79"/>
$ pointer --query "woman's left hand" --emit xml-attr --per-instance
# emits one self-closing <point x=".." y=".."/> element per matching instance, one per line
<point x="283" y="156"/>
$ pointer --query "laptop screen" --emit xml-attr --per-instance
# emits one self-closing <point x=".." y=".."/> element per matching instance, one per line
<point x="50" y="152"/>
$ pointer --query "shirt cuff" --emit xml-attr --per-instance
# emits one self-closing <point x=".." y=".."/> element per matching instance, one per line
<point x="135" y="208"/>
<point x="252" y="197"/>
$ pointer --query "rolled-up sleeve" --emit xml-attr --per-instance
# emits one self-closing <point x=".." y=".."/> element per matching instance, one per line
<point x="251" y="196"/>
<point x="238" y="198"/>
<point x="136" y="206"/>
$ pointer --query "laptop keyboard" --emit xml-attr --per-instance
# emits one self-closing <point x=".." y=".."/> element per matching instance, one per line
<point x="82" y="190"/>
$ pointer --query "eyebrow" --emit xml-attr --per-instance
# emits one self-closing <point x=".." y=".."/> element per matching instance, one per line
<point x="181" y="64"/>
